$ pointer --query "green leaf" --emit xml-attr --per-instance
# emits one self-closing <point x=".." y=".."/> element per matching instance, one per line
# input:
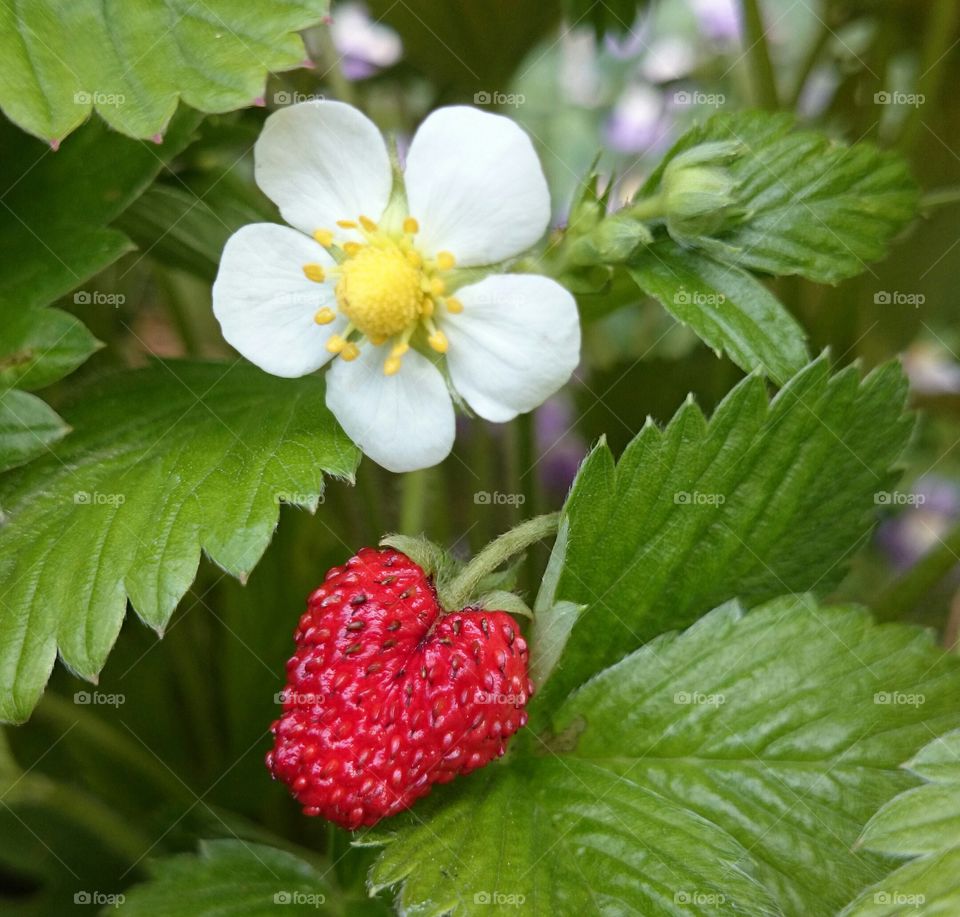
<point x="764" y="499"/>
<point x="132" y="63"/>
<point x="923" y="823"/>
<point x="709" y="772"/>
<point x="27" y="428"/>
<point x="729" y="309"/>
<point x="238" y="878"/>
<point x="812" y="206"/>
<point x="54" y="241"/>
<point x="40" y="346"/>
<point x="164" y="461"/>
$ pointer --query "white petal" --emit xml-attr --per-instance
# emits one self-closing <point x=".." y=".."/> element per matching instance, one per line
<point x="404" y="421"/>
<point x="265" y="304"/>
<point x="320" y="162"/>
<point x="515" y="343"/>
<point x="475" y="185"/>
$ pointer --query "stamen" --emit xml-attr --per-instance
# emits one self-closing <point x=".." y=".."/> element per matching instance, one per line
<point x="391" y="366"/>
<point x="437" y="286"/>
<point x="414" y="258"/>
<point x="368" y="224"/>
<point x="445" y="261"/>
<point x="438" y="341"/>
<point x="324" y="237"/>
<point x="324" y="316"/>
<point x="346" y="224"/>
<point x="411" y="226"/>
<point x="426" y="307"/>
<point x="335" y="344"/>
<point x="350" y="352"/>
<point x="351" y="248"/>
<point x="314" y="272"/>
<point x="398" y="350"/>
<point x="454" y="305"/>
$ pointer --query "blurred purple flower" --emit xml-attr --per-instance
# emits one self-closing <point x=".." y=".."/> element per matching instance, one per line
<point x="560" y="447"/>
<point x="932" y="370"/>
<point x="719" y="20"/>
<point x="669" y="58"/>
<point x="639" y="121"/>
<point x="930" y="512"/>
<point x="365" y="46"/>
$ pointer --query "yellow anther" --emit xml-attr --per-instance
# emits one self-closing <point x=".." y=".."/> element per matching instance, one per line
<point x="454" y="305"/>
<point x="351" y="248"/>
<point x="445" y="261"/>
<point x="438" y="341"/>
<point x="350" y="352"/>
<point x="346" y="224"/>
<point x="414" y="258"/>
<point x="377" y="339"/>
<point x="437" y="286"/>
<point x="398" y="350"/>
<point x="314" y="272"/>
<point x="391" y="366"/>
<point x="335" y="344"/>
<point x="324" y="237"/>
<point x="426" y="307"/>
<point x="324" y="316"/>
<point x="368" y="224"/>
<point x="411" y="226"/>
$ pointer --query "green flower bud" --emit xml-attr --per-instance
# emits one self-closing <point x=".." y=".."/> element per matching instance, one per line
<point x="698" y="193"/>
<point x="611" y="241"/>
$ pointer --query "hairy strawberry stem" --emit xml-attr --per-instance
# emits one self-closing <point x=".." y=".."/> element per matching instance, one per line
<point x="462" y="588"/>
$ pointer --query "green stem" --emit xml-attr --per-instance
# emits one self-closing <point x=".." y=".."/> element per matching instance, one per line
<point x="649" y="208"/>
<point x="495" y="554"/>
<point x="941" y="28"/>
<point x="342" y="88"/>
<point x="413" y="502"/>
<point x="813" y="55"/>
<point x="904" y="594"/>
<point x="942" y="197"/>
<point x="57" y="712"/>
<point x="762" y="77"/>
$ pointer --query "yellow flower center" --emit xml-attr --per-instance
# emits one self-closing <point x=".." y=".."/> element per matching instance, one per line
<point x="379" y="290"/>
<point x="386" y="290"/>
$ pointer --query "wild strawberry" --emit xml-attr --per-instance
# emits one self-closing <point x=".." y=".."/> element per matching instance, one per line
<point x="387" y="694"/>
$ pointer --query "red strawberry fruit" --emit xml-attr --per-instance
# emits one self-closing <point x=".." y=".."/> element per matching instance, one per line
<point x="387" y="694"/>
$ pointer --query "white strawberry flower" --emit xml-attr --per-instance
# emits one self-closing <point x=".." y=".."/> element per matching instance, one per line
<point x="369" y="274"/>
